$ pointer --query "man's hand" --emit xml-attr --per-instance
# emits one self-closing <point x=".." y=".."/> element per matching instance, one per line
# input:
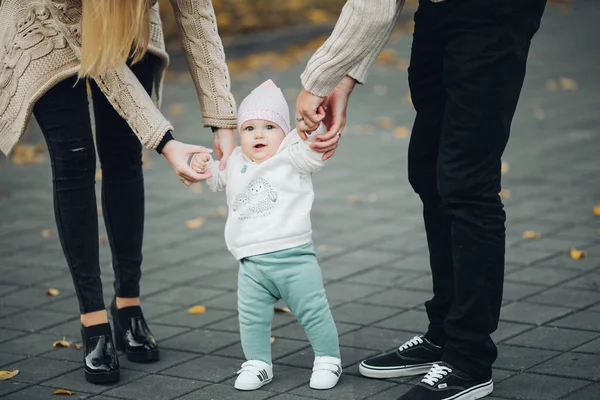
<point x="224" y="144"/>
<point x="335" y="118"/>
<point x="310" y="112"/>
<point x="177" y="154"/>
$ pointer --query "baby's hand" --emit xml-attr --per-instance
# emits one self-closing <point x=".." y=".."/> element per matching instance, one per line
<point x="200" y="162"/>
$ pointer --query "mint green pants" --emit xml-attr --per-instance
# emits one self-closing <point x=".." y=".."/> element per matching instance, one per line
<point x="294" y="276"/>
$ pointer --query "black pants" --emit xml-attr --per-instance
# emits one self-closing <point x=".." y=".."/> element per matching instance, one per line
<point x="64" y="117"/>
<point x="466" y="73"/>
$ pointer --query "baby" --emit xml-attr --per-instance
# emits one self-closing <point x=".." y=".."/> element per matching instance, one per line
<point x="270" y="196"/>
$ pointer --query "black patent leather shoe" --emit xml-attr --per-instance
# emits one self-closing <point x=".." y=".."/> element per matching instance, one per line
<point x="99" y="354"/>
<point x="132" y="335"/>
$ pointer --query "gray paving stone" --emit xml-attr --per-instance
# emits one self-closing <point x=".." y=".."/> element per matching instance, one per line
<point x="392" y="393"/>
<point x="590" y="281"/>
<point x="225" y="302"/>
<point x="6" y="358"/>
<point x="580" y="320"/>
<point x="207" y="368"/>
<point x="362" y="314"/>
<point x="41" y="393"/>
<point x="423" y="283"/>
<point x="6" y="310"/>
<point x="29" y="345"/>
<point x="411" y="321"/>
<point x="514" y="291"/>
<point x="345" y="292"/>
<point x="589" y="263"/>
<point x="508" y="329"/>
<point x="75" y="381"/>
<point x="225" y="392"/>
<point x="36" y="370"/>
<point x="30" y="297"/>
<point x="305" y="358"/>
<point x="164" y="332"/>
<point x="573" y="365"/>
<point x="185" y="295"/>
<point x="591" y="347"/>
<point x="349" y="387"/>
<point x="289" y="397"/>
<point x="156" y="387"/>
<point x="296" y="331"/>
<point x="221" y="280"/>
<point x="549" y="338"/>
<point x="200" y="341"/>
<point x="280" y="348"/>
<point x="168" y="359"/>
<point x="383" y="277"/>
<point x="521" y="358"/>
<point x="31" y="275"/>
<point x="183" y="319"/>
<point x="521" y="256"/>
<point x="588" y="393"/>
<point x="418" y="263"/>
<point x="178" y="275"/>
<point x="6" y="334"/>
<point x="372" y="338"/>
<point x="566" y="297"/>
<point x="537" y="387"/>
<point x="33" y="320"/>
<point x="542" y="276"/>
<point x="532" y="313"/>
<point x="398" y="297"/>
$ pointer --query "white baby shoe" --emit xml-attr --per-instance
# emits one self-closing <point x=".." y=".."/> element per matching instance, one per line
<point x="253" y="375"/>
<point x="326" y="372"/>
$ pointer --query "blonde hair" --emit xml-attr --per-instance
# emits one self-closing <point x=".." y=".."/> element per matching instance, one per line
<point x="112" y="31"/>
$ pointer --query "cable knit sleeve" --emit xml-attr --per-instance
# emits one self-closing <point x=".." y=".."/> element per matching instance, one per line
<point x="205" y="56"/>
<point x="361" y="32"/>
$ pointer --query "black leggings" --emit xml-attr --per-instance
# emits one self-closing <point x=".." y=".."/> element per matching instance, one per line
<point x="64" y="117"/>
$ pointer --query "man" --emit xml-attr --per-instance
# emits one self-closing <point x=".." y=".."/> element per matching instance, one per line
<point x="466" y="73"/>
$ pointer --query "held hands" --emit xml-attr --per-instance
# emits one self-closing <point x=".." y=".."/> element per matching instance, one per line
<point x="200" y="164"/>
<point x="177" y="154"/>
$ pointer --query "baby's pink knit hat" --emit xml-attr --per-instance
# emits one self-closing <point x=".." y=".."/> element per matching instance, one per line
<point x="265" y="102"/>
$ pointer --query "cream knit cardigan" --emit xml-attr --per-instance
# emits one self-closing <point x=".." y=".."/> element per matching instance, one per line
<point x="40" y="45"/>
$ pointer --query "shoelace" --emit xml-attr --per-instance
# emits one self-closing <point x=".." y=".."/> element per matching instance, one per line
<point x="436" y="373"/>
<point x="412" y="342"/>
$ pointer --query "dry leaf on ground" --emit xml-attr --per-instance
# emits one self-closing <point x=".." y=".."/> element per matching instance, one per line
<point x="52" y="292"/>
<point x="46" y="233"/>
<point x="62" y="343"/>
<point x="6" y="375"/>
<point x="353" y="199"/>
<point x="325" y="248"/>
<point x="102" y="240"/>
<point x="77" y="346"/>
<point x="282" y="309"/>
<point x="195" y="310"/>
<point x="401" y="132"/>
<point x="577" y="254"/>
<point x="197" y="188"/>
<point x="195" y="223"/>
<point x="63" y="392"/>
<point x="98" y="174"/>
<point x="504" y="194"/>
<point x="385" y="122"/>
<point x="505" y="167"/>
<point x="597" y="210"/>
<point x="272" y="340"/>
<point x="531" y="235"/>
<point x="177" y="109"/>
<point x="551" y="85"/>
<point x="25" y="154"/>
<point x="568" y="84"/>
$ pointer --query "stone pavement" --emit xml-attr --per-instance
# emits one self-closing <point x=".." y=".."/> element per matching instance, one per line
<point x="371" y="247"/>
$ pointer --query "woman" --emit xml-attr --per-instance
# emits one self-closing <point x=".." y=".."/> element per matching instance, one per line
<point x="48" y="49"/>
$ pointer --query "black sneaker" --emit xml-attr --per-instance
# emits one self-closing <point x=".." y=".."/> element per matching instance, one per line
<point x="414" y="357"/>
<point x="443" y="382"/>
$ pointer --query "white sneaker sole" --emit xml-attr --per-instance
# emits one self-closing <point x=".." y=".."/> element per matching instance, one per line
<point x="475" y="393"/>
<point x="248" y="388"/>
<point x="323" y="387"/>
<point x="386" y="373"/>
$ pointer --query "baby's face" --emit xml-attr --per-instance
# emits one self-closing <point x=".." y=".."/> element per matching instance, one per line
<point x="260" y="139"/>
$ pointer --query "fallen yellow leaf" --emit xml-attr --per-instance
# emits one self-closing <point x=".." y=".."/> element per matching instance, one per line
<point x="46" y="233"/>
<point x="385" y="122"/>
<point x="551" y="85"/>
<point x="63" y="392"/>
<point x="197" y="188"/>
<point x="408" y="98"/>
<point x="577" y="254"/>
<point x="568" y="84"/>
<point x="317" y="16"/>
<point x="195" y="223"/>
<point x="177" y="109"/>
<point x="77" y="346"/>
<point x="401" y="132"/>
<point x="531" y="235"/>
<point x="218" y="212"/>
<point x="99" y="211"/>
<point x="386" y="57"/>
<point x="505" y="167"/>
<point x="325" y="249"/>
<point x="6" y="375"/>
<point x="102" y="240"/>
<point x="353" y="199"/>
<point x="52" y="292"/>
<point x="282" y="309"/>
<point x="504" y="194"/>
<point x="197" y="310"/>
<point x="598" y="231"/>
<point x="25" y="154"/>
<point x="272" y="340"/>
<point x="62" y="343"/>
<point x="597" y="210"/>
<point x="402" y="65"/>
<point x="99" y="175"/>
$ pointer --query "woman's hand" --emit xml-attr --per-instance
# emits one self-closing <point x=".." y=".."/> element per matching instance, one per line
<point x="177" y="154"/>
<point x="224" y="144"/>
